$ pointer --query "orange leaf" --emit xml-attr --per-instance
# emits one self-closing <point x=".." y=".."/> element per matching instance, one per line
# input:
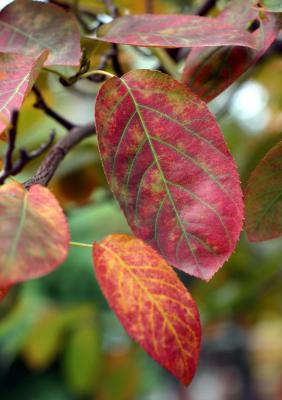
<point x="34" y="234"/>
<point x="151" y="302"/>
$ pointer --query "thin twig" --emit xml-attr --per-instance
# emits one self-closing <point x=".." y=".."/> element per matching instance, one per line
<point x="112" y="8"/>
<point x="206" y="7"/>
<point x="149" y="6"/>
<point x="8" y="163"/>
<point x="12" y="168"/>
<point x="42" y="105"/>
<point x="58" y="152"/>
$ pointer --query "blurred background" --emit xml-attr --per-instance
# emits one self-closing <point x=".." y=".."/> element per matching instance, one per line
<point x="58" y="338"/>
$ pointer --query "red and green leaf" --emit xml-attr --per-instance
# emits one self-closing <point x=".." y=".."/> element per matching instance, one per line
<point x="34" y="236"/>
<point x="28" y="28"/>
<point x="150" y="30"/>
<point x="152" y="304"/>
<point x="210" y="71"/>
<point x="17" y="76"/>
<point x="263" y="201"/>
<point x="167" y="164"/>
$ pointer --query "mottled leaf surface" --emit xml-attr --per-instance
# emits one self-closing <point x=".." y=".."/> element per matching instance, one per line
<point x="17" y="76"/>
<point x="263" y="200"/>
<point x="152" y="304"/>
<point x="34" y="235"/>
<point x="28" y="28"/>
<point x="150" y="30"/>
<point x="167" y="164"/>
<point x="210" y="71"/>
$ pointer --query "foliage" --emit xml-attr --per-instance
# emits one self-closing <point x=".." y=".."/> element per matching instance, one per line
<point x="165" y="160"/>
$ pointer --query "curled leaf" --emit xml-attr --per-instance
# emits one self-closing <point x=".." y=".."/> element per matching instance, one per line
<point x="29" y="27"/>
<point x="150" y="30"/>
<point x="34" y="235"/>
<point x="17" y="76"/>
<point x="151" y="302"/>
<point x="208" y="72"/>
<point x="166" y="161"/>
<point x="263" y="200"/>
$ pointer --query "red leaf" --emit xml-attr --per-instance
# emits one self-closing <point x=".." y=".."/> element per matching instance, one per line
<point x="167" y="164"/>
<point x="150" y="30"/>
<point x="17" y="76"/>
<point x="210" y="71"/>
<point x="151" y="302"/>
<point x="34" y="235"/>
<point x="30" y="27"/>
<point x="3" y="292"/>
<point x="263" y="199"/>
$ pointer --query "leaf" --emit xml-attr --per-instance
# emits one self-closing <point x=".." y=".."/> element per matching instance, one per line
<point x="150" y="30"/>
<point x="208" y="72"/>
<point x="272" y="5"/>
<point x="263" y="199"/>
<point x="166" y="162"/>
<point x="45" y="339"/>
<point x="48" y="334"/>
<point x="150" y="301"/>
<point x="17" y="76"/>
<point x="34" y="235"/>
<point x="83" y="360"/>
<point x="28" y="28"/>
<point x="3" y="292"/>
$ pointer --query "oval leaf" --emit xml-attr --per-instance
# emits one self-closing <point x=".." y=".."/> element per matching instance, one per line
<point x="28" y="27"/>
<point x="150" y="30"/>
<point x="34" y="235"/>
<point x="208" y="72"/>
<point x="150" y="301"/>
<point x="167" y="164"/>
<point x="17" y="76"/>
<point x="263" y="201"/>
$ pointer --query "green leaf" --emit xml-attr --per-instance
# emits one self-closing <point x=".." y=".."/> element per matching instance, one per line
<point x="263" y="200"/>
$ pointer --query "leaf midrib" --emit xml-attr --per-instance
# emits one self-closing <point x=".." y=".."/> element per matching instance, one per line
<point x="15" y="92"/>
<point x="41" y="43"/>
<point x="169" y="195"/>
<point x="153" y="301"/>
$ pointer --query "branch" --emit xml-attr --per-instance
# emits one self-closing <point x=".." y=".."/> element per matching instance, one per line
<point x="58" y="152"/>
<point x="8" y="163"/>
<point x="41" y="104"/>
<point x="11" y="168"/>
<point x="206" y="7"/>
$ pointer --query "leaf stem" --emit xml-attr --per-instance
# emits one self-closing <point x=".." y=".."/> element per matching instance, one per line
<point x="166" y="61"/>
<point x="79" y="244"/>
<point x="97" y="72"/>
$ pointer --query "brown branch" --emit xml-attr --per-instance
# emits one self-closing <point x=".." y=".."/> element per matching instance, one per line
<point x="58" y="152"/>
